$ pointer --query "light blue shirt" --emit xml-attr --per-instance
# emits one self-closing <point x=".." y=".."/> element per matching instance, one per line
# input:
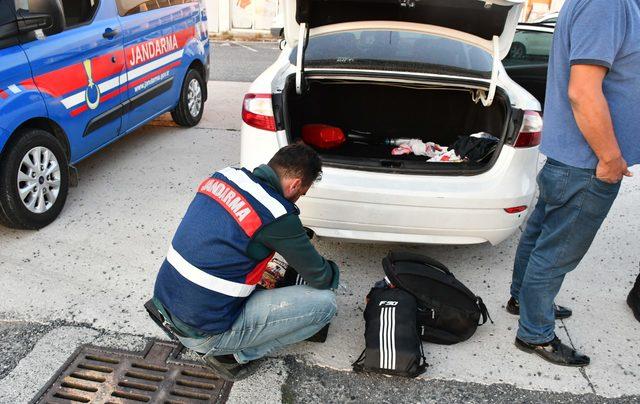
<point x="594" y="32"/>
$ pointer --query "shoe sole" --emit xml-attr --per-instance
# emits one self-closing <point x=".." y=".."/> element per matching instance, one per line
<point x="636" y="314"/>
<point x="220" y="370"/>
<point x="533" y="352"/>
<point x="227" y="375"/>
<point x="557" y="317"/>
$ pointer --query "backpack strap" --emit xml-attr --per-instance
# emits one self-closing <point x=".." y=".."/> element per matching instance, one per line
<point x="483" y="311"/>
<point x="358" y="364"/>
<point x="422" y="367"/>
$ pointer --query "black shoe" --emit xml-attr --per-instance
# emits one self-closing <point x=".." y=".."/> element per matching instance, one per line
<point x="320" y="336"/>
<point x="555" y="352"/>
<point x="633" y="300"/>
<point x="230" y="370"/>
<point x="159" y="319"/>
<point x="227" y="359"/>
<point x="561" y="312"/>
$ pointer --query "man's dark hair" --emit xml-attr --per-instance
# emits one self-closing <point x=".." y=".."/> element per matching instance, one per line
<point x="297" y="161"/>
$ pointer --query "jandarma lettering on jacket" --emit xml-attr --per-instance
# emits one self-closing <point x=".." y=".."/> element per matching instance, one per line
<point x="227" y="196"/>
<point x="151" y="49"/>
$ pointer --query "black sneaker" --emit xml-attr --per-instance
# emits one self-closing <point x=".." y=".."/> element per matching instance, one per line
<point x="633" y="300"/>
<point x="561" y="312"/>
<point x="555" y="352"/>
<point x="320" y="336"/>
<point x="229" y="369"/>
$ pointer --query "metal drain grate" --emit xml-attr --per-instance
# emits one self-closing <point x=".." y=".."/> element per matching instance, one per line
<point x="99" y="375"/>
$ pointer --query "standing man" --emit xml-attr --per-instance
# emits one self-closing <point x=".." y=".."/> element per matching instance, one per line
<point x="205" y="290"/>
<point x="591" y="135"/>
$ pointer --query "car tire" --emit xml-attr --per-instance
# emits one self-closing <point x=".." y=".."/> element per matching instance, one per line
<point x="36" y="162"/>
<point x="191" y="104"/>
<point x="518" y="51"/>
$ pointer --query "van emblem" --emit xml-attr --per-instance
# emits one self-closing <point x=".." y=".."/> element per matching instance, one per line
<point x="92" y="93"/>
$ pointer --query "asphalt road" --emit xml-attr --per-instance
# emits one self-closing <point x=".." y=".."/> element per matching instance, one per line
<point x="240" y="60"/>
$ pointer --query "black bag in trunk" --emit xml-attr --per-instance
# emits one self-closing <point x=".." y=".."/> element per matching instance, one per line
<point x="392" y="344"/>
<point x="448" y="312"/>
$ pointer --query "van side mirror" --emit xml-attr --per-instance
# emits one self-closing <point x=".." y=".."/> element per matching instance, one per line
<point x="282" y="44"/>
<point x="28" y="22"/>
<point x="47" y="15"/>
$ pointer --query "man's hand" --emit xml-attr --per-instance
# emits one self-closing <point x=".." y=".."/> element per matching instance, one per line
<point x="612" y="171"/>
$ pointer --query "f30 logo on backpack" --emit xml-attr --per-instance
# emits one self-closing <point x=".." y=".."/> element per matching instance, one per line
<point x="388" y="303"/>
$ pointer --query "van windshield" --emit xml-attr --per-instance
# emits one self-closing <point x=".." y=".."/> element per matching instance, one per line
<point x="396" y="51"/>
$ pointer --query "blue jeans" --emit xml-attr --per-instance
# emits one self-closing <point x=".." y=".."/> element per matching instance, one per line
<point x="573" y="204"/>
<point x="271" y="319"/>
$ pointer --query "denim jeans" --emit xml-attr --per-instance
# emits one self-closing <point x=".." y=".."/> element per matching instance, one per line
<point x="573" y="204"/>
<point x="271" y="319"/>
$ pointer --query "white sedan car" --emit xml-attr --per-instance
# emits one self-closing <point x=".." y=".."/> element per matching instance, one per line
<point x="381" y="70"/>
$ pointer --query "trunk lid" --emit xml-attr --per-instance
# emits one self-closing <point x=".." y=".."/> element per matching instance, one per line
<point x="484" y="19"/>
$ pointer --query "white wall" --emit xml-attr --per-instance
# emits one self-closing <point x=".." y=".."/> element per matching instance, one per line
<point x="556" y="5"/>
<point x="230" y="15"/>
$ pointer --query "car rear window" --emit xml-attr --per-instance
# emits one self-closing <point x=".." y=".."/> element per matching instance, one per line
<point x="396" y="51"/>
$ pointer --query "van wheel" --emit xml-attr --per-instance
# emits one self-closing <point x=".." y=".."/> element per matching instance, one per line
<point x="34" y="180"/>
<point x="191" y="105"/>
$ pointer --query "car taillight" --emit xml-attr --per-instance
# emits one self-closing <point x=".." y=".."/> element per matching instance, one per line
<point x="257" y="111"/>
<point x="515" y="209"/>
<point x="531" y="131"/>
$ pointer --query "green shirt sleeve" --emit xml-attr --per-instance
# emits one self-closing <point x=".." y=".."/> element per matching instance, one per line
<point x="288" y="238"/>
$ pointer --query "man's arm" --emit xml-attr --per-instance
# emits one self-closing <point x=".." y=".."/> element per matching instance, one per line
<point x="287" y="237"/>
<point x="591" y="111"/>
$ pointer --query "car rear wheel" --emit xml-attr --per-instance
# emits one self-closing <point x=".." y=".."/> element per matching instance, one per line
<point x="191" y="105"/>
<point x="34" y="180"/>
<point x="518" y="51"/>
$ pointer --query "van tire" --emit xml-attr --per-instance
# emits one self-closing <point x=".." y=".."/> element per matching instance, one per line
<point x="13" y="211"/>
<point x="193" y="89"/>
<point x="518" y="51"/>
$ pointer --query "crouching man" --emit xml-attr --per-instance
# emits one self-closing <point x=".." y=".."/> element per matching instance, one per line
<point x="206" y="287"/>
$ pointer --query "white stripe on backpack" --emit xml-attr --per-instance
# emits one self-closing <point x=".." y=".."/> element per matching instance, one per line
<point x="387" y="338"/>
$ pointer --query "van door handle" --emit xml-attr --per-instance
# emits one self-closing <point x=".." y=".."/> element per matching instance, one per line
<point x="110" y="33"/>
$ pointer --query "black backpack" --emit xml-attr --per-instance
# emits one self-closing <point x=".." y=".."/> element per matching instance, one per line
<point x="392" y="343"/>
<point x="448" y="312"/>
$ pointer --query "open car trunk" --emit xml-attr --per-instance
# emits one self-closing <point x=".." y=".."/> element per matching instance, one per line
<point x="369" y="113"/>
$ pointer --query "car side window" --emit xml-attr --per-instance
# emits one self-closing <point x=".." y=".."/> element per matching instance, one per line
<point x="529" y="47"/>
<point x="130" y="7"/>
<point x="76" y="12"/>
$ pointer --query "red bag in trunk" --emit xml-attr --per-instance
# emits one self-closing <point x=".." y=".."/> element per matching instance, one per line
<point x="323" y="136"/>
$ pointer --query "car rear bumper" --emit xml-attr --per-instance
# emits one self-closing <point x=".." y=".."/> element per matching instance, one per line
<point x="378" y="207"/>
<point x="393" y="233"/>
